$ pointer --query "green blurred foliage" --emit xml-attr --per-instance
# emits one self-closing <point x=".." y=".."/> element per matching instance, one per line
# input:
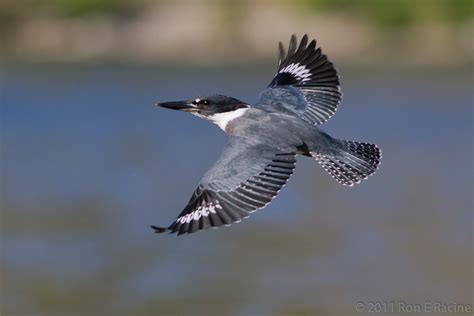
<point x="81" y="8"/>
<point x="384" y="13"/>
<point x="459" y="10"/>
<point x="399" y="13"/>
<point x="17" y="10"/>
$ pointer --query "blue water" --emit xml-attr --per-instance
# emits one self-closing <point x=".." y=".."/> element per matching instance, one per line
<point x="89" y="163"/>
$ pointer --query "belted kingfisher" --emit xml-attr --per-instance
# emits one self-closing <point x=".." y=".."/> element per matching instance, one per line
<point x="265" y="138"/>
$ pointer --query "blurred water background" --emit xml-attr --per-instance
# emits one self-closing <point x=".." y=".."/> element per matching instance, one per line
<point x="88" y="162"/>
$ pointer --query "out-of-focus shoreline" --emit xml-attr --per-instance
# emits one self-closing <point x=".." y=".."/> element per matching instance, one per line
<point x="203" y="34"/>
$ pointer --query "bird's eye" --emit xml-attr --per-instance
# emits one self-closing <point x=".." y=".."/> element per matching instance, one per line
<point x="205" y="102"/>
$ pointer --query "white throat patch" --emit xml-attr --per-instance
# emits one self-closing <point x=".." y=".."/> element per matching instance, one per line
<point x="222" y="119"/>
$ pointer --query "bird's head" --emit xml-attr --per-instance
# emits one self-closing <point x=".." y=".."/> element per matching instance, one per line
<point x="219" y="109"/>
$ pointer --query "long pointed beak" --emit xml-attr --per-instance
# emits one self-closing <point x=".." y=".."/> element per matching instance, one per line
<point x="177" y="105"/>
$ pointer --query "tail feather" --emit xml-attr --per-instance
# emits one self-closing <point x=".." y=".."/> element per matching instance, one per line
<point x="352" y="163"/>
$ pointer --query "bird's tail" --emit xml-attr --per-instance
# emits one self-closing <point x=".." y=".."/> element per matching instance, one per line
<point x="351" y="162"/>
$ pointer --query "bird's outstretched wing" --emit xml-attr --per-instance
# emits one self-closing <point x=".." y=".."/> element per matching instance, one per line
<point x="306" y="83"/>
<point x="245" y="178"/>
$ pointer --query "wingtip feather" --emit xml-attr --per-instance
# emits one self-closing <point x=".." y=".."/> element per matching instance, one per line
<point x="159" y="230"/>
<point x="281" y="53"/>
<point x="293" y="44"/>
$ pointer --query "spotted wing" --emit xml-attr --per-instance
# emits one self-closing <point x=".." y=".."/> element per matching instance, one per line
<point x="306" y="83"/>
<point x="244" y="179"/>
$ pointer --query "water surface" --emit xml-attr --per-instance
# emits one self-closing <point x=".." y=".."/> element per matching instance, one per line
<point x="89" y="163"/>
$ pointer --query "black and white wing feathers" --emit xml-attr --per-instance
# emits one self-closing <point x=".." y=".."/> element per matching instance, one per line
<point x="244" y="179"/>
<point x="306" y="83"/>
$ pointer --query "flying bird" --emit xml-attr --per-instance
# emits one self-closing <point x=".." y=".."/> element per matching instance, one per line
<point x="265" y="138"/>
